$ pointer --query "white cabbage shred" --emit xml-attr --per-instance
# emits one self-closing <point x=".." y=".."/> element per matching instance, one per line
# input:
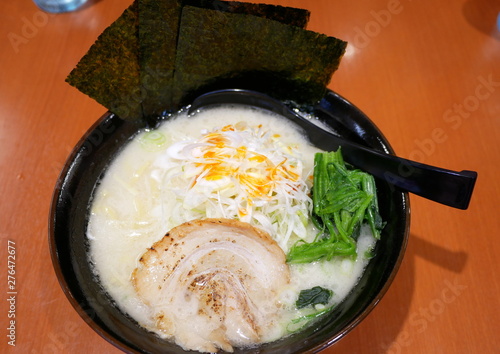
<point x="240" y="172"/>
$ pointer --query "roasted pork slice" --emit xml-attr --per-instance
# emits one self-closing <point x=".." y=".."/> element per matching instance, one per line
<point x="213" y="284"/>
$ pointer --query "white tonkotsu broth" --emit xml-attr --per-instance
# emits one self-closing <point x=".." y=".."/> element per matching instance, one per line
<point x="134" y="206"/>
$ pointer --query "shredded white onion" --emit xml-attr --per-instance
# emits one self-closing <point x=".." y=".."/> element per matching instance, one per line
<point x="241" y="172"/>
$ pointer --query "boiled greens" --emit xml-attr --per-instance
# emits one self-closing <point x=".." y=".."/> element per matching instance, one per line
<point x="343" y="199"/>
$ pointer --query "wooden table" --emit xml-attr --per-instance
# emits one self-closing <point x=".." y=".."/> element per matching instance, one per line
<point x="426" y="72"/>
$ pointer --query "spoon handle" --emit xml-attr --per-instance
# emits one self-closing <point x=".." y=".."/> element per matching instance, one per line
<point x="444" y="186"/>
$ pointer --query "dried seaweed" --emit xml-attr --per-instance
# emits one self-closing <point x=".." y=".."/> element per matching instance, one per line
<point x="290" y="15"/>
<point x="109" y="71"/>
<point x="158" y="35"/>
<point x="158" y="29"/>
<point x="159" y="54"/>
<point x="217" y="50"/>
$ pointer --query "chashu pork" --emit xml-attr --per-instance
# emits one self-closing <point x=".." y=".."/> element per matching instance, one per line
<point x="213" y="284"/>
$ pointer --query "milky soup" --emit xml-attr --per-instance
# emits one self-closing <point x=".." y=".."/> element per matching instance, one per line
<point x="232" y="164"/>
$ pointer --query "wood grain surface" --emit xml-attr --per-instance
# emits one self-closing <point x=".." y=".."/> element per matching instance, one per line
<point x="426" y="72"/>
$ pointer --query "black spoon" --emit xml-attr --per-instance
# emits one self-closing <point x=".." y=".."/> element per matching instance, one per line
<point x="437" y="184"/>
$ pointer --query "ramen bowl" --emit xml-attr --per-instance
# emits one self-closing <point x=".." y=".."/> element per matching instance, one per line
<point x="69" y="245"/>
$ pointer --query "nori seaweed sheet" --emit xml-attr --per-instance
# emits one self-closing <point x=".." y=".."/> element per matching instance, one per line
<point x="289" y="15"/>
<point x="159" y="54"/>
<point x="109" y="71"/>
<point x="159" y="23"/>
<point x="222" y="50"/>
<point x="158" y="30"/>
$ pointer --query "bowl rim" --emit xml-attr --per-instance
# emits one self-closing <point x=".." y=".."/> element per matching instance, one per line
<point x="380" y="142"/>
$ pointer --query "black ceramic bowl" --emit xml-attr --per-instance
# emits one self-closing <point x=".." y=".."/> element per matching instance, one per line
<point x="69" y="246"/>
